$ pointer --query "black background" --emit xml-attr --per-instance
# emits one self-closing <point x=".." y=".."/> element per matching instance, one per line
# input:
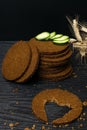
<point x="23" y="19"/>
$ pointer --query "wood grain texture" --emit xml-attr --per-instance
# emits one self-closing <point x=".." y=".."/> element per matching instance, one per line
<point x="16" y="99"/>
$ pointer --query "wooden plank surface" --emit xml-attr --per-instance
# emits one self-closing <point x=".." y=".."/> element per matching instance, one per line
<point x="16" y="99"/>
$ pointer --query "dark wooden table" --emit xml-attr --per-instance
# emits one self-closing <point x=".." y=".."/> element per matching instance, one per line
<point x="16" y="99"/>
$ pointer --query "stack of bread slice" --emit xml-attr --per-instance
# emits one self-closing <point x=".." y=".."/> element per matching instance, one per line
<point x="50" y="60"/>
<point x="54" y="63"/>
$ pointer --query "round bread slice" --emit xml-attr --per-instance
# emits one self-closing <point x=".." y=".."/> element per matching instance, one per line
<point x="52" y="71"/>
<point x="53" y="64"/>
<point x="47" y="70"/>
<point x="32" y="66"/>
<point x="61" y="75"/>
<point x="59" y="59"/>
<point x="44" y="65"/>
<point x="48" y="47"/>
<point x="69" y="74"/>
<point x="61" y="98"/>
<point x="56" y="55"/>
<point x="16" y="60"/>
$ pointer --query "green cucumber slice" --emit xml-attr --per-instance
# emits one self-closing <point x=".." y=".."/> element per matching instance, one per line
<point x="42" y="36"/>
<point x="64" y="37"/>
<point x="61" y="41"/>
<point x="57" y="36"/>
<point x="52" y="34"/>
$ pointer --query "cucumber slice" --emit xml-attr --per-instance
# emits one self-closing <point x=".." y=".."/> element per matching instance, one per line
<point x="42" y="36"/>
<point x="64" y="37"/>
<point x="52" y="34"/>
<point x="61" y="41"/>
<point x="57" y="36"/>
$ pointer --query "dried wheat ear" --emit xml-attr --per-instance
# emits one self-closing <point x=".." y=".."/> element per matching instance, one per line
<point x="80" y="41"/>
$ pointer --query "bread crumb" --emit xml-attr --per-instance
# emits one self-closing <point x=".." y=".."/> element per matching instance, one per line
<point x="12" y="113"/>
<point x="79" y="90"/>
<point x="80" y="118"/>
<point x="54" y="126"/>
<point x="81" y="125"/>
<point x="34" y="85"/>
<point x="85" y="103"/>
<point x="60" y="126"/>
<point x="66" y="125"/>
<point x="73" y="128"/>
<point x="5" y="123"/>
<point x="17" y="123"/>
<point x="84" y="119"/>
<point x="75" y="76"/>
<point x="59" y="86"/>
<point x="46" y="123"/>
<point x="33" y="127"/>
<point x="11" y="125"/>
<point x="48" y="128"/>
<point x="17" y="102"/>
<point x="43" y="127"/>
<point x="85" y="86"/>
<point x="27" y="128"/>
<point x="84" y="114"/>
<point x="15" y="90"/>
<point x="74" y="73"/>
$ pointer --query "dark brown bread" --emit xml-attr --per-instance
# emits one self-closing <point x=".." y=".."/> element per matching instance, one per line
<point x="58" y="76"/>
<point x="59" y="59"/>
<point x="32" y="66"/>
<point x="53" y="64"/>
<point x="61" y="98"/>
<point x="51" y="70"/>
<point x="16" y="61"/>
<point x="48" y="47"/>
<point x="56" y="55"/>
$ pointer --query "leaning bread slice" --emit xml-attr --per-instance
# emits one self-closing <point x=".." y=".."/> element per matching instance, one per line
<point x="16" y="60"/>
<point x="32" y="66"/>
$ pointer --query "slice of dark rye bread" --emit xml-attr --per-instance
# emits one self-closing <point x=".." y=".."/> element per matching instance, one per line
<point x="54" y="64"/>
<point x="52" y="71"/>
<point x="56" y="69"/>
<point x="59" y="59"/>
<point x="61" y="75"/>
<point x="32" y="66"/>
<point x="48" y="47"/>
<point x="61" y="98"/>
<point x="16" y="60"/>
<point x="56" y="55"/>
